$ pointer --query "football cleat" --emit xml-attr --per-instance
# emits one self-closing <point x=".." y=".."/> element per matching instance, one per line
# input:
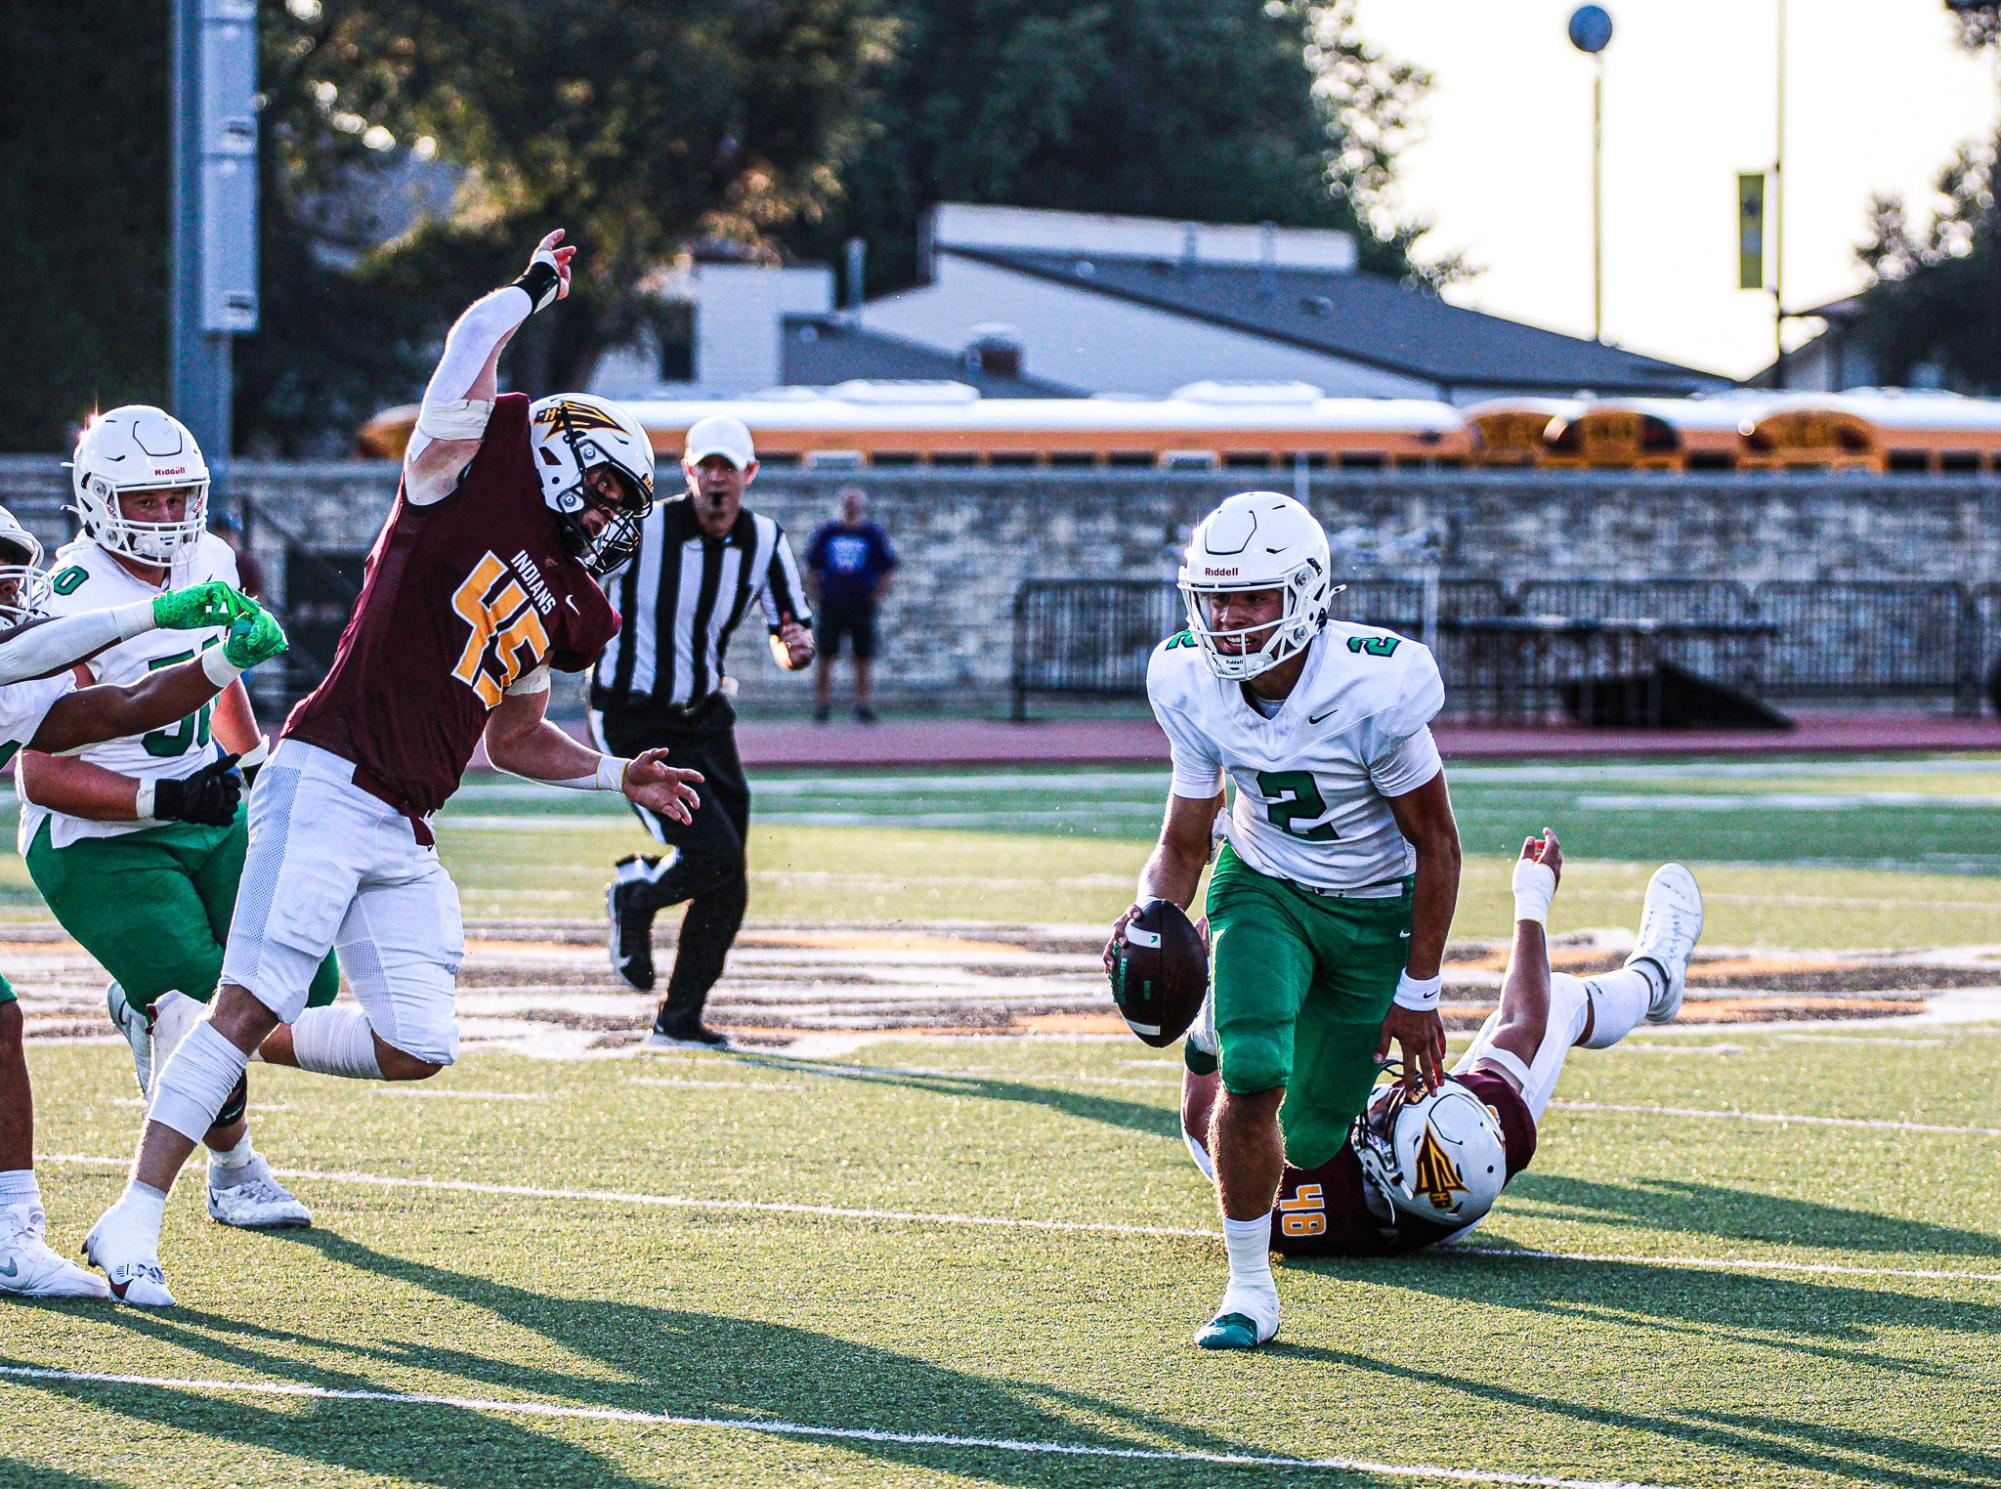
<point x="129" y="1259"/>
<point x="694" y="1035"/>
<point x="30" y="1269"/>
<point x="174" y="1018"/>
<point x="631" y="921"/>
<point x="1246" y="1318"/>
<point x="137" y="1029"/>
<point x="1670" y="925"/>
<point x="256" y="1201"/>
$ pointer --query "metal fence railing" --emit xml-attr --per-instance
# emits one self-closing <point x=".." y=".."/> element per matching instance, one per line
<point x="1536" y="651"/>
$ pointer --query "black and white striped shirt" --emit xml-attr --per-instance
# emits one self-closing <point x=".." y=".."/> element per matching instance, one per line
<point x="680" y="600"/>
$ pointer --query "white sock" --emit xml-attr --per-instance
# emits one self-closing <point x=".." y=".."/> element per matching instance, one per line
<point x="197" y="1082"/>
<point x="1619" y="1002"/>
<point x="19" y="1187"/>
<point x="144" y="1202"/>
<point x="336" y="1041"/>
<point x="233" y="1158"/>
<point x="1249" y="1245"/>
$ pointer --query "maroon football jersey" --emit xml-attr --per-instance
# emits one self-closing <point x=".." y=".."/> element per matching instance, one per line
<point x="1322" y="1212"/>
<point x="459" y="600"/>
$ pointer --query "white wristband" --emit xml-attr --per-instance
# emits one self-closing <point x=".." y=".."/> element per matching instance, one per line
<point x="142" y="801"/>
<point x="135" y="619"/>
<point x="611" y="773"/>
<point x="218" y="668"/>
<point x="1535" y="887"/>
<point x="1419" y="994"/>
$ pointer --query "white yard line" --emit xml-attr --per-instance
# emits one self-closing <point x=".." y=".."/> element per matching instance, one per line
<point x="1015" y="1222"/>
<point x="772" y="1428"/>
<point x="1783" y="1118"/>
<point x="456" y="1095"/>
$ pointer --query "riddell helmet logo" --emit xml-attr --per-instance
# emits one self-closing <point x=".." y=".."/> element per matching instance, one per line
<point x="171" y="470"/>
<point x="1219" y="573"/>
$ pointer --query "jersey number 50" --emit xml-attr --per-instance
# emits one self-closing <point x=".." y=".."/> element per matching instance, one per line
<point x="504" y="627"/>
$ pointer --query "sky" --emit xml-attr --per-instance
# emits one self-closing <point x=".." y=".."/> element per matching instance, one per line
<point x="1877" y="98"/>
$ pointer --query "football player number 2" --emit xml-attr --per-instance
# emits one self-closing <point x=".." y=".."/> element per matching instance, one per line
<point x="504" y="628"/>
<point x="1292" y="799"/>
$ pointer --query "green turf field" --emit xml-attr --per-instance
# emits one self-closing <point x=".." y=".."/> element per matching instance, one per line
<point x="700" y="1270"/>
<point x="1770" y="1256"/>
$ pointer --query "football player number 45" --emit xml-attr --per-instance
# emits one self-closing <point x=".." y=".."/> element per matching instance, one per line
<point x="507" y="635"/>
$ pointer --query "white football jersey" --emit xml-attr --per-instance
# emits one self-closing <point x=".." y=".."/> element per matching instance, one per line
<point x="85" y="577"/>
<point x="23" y="706"/>
<point x="1311" y="781"/>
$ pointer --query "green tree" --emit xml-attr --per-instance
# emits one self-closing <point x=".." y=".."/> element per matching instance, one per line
<point x="1219" y="110"/>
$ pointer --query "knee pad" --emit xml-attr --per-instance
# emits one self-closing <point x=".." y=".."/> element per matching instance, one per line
<point x="1253" y="1060"/>
<point x="239" y="1102"/>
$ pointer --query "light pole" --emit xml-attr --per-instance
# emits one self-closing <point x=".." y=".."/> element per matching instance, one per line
<point x="1590" y="33"/>
<point x="1779" y="219"/>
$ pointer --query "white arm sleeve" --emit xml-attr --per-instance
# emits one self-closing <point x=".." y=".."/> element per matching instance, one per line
<point x="1410" y="763"/>
<point x="447" y="412"/>
<point x="36" y="651"/>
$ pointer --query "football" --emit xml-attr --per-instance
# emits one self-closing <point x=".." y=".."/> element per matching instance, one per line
<point x="1161" y="973"/>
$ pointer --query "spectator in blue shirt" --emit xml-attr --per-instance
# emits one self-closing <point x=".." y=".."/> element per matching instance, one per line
<point x="848" y="564"/>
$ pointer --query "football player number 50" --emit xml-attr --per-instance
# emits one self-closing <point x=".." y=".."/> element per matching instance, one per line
<point x="504" y="627"/>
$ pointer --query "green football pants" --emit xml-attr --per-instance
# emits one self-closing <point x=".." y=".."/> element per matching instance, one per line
<point x="1303" y="982"/>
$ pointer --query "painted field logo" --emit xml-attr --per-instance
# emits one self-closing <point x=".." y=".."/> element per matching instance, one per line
<point x="1375" y="646"/>
<point x="1437" y="1177"/>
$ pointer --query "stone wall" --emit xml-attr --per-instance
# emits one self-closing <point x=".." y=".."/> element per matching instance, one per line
<point x="970" y="538"/>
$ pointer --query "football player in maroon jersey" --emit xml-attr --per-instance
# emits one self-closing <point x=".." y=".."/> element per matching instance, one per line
<point x="484" y="578"/>
<point x="1422" y="1169"/>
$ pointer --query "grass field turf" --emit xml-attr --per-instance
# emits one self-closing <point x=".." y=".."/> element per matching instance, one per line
<point x="1731" y="1306"/>
<point x="1637" y="1365"/>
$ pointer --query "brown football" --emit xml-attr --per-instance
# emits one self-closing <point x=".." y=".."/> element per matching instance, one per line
<point x="1161" y="973"/>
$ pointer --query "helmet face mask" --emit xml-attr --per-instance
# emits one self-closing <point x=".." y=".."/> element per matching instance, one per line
<point x="1437" y="1157"/>
<point x="577" y="440"/>
<point x="24" y="583"/>
<point x="1257" y="540"/>
<point x="127" y="451"/>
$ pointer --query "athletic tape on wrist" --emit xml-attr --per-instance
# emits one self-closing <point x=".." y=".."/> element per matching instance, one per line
<point x="611" y="773"/>
<point x="1420" y="994"/>
<point x="540" y="282"/>
<point x="143" y="799"/>
<point x="135" y="619"/>
<point x="219" y="669"/>
<point x="1535" y="887"/>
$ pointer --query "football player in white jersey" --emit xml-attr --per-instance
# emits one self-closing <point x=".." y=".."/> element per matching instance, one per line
<point x="1339" y="872"/>
<point x="41" y="707"/>
<point x="138" y="844"/>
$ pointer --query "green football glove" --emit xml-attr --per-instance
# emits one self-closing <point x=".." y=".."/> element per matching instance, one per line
<point x="199" y="606"/>
<point x="253" y="638"/>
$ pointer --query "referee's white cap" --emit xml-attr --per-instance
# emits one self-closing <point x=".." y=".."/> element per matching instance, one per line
<point x="719" y="434"/>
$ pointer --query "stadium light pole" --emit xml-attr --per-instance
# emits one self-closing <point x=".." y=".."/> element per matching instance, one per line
<point x="1779" y="216"/>
<point x="1590" y="33"/>
<point x="213" y="211"/>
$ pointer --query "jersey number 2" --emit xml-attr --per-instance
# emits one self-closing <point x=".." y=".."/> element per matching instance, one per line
<point x="504" y="625"/>
<point x="1291" y="798"/>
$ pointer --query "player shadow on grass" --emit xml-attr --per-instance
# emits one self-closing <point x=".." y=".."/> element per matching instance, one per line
<point x="1822" y="1319"/>
<point x="17" y="1473"/>
<point x="1152" y="1118"/>
<point x="657" y="1359"/>
<point x="1738" y="1215"/>
<point x="1853" y="1455"/>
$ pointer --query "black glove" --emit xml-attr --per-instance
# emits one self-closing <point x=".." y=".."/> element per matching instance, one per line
<point x="208" y="796"/>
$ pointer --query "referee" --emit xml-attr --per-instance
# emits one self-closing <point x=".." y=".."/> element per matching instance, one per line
<point x="704" y="560"/>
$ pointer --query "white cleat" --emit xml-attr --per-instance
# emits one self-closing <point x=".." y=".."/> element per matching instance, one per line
<point x="129" y="1259"/>
<point x="1670" y="925"/>
<point x="174" y="1018"/>
<point x="30" y="1269"/>
<point x="1246" y="1318"/>
<point x="256" y="1201"/>
<point x="138" y="1032"/>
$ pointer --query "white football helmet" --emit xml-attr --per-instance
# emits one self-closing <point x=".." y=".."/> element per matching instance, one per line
<point x="573" y="433"/>
<point x="1257" y="540"/>
<point x="131" y="449"/>
<point x="21" y="565"/>
<point x="1438" y="1157"/>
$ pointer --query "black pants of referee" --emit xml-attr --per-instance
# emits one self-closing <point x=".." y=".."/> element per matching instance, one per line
<point x="709" y="872"/>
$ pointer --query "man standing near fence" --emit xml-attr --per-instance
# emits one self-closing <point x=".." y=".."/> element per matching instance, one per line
<point x="848" y="565"/>
<point x="703" y="560"/>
